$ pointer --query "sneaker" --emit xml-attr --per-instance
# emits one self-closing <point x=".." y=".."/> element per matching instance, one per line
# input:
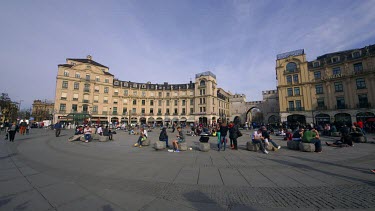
<point x="265" y="152"/>
<point x="279" y="147"/>
<point x="140" y="146"/>
<point x="170" y="150"/>
<point x="87" y="141"/>
<point x="135" y="145"/>
<point x="177" y="151"/>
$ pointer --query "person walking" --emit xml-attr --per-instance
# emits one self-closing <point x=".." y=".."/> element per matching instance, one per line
<point x="57" y="128"/>
<point x="12" y="132"/>
<point x="233" y="135"/>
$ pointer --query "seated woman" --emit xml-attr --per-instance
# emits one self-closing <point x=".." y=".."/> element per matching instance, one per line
<point x="180" y="139"/>
<point x="142" y="137"/>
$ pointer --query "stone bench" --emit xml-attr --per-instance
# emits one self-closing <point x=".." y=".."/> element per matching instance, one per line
<point x="204" y="147"/>
<point x="252" y="147"/>
<point x="160" y="145"/>
<point x="182" y="146"/>
<point x="294" y="145"/>
<point x="359" y="139"/>
<point x="95" y="136"/>
<point x="83" y="138"/>
<point x="103" y="138"/>
<point x="306" y="147"/>
<point x="335" y="134"/>
<point x="269" y="147"/>
<point x="146" y="142"/>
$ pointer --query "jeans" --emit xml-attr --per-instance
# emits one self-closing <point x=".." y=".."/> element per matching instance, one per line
<point x="318" y="144"/>
<point x="273" y="143"/>
<point x="234" y="142"/>
<point x="222" y="141"/>
<point x="57" y="132"/>
<point x="12" y="134"/>
<point x="166" y="142"/>
<point x="260" y="144"/>
<point x="87" y="137"/>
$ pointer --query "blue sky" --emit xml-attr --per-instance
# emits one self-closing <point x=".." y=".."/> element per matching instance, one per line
<point x="171" y="40"/>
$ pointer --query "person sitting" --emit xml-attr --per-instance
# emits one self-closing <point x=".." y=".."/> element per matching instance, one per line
<point x="312" y="136"/>
<point x="288" y="135"/>
<point x="142" y="137"/>
<point x="257" y="139"/>
<point x="297" y="136"/>
<point x="87" y="131"/>
<point x="356" y="132"/>
<point x="164" y="136"/>
<point x="99" y="130"/>
<point x="266" y="138"/>
<point x="345" y="139"/>
<point x="107" y="132"/>
<point x="180" y="139"/>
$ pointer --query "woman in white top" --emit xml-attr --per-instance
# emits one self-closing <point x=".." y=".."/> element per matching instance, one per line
<point x="87" y="132"/>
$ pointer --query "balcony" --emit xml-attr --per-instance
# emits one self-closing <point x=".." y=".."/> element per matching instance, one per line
<point x="175" y="114"/>
<point x="114" y="112"/>
<point x="125" y="113"/>
<point x="295" y="109"/>
<point x="62" y="111"/>
<point x="341" y="106"/>
<point x="85" y="101"/>
<point x="159" y="114"/>
<point x="321" y="108"/>
<point x="167" y="113"/>
<point x="364" y="105"/>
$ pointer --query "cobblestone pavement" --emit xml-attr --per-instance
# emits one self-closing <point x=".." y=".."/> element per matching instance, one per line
<point x="42" y="172"/>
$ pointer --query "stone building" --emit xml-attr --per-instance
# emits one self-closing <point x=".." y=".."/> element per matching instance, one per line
<point x="42" y="110"/>
<point x="87" y="91"/>
<point x="335" y="87"/>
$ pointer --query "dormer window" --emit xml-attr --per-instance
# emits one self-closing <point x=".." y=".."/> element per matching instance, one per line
<point x="316" y="64"/>
<point x="202" y="83"/>
<point x="291" y="67"/>
<point x="335" y="59"/>
<point x="356" y="54"/>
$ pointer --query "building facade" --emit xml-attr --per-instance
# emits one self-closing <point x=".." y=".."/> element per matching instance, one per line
<point x="42" y="110"/>
<point x="335" y="87"/>
<point x="86" y="91"/>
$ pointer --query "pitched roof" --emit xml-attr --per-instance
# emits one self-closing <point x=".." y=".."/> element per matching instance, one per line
<point x="88" y="61"/>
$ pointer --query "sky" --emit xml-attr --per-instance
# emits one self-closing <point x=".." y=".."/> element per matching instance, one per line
<point x="172" y="40"/>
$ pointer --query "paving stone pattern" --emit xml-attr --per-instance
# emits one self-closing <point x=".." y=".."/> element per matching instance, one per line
<point x="42" y="172"/>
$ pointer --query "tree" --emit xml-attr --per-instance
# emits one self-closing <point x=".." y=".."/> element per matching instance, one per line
<point x="9" y="109"/>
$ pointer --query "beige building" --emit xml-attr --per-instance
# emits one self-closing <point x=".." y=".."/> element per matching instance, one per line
<point x="87" y="91"/>
<point x="335" y="87"/>
<point x="42" y="110"/>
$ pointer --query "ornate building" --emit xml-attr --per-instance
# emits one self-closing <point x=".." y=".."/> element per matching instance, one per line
<point x="87" y="91"/>
<point x="335" y="87"/>
<point x="42" y="110"/>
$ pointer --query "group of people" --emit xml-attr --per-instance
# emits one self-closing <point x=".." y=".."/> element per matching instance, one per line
<point x="263" y="139"/>
<point x="12" y="128"/>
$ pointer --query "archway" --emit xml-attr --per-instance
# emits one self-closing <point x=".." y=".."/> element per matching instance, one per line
<point x="296" y="120"/>
<point x="237" y="120"/>
<point x="343" y="118"/>
<point x="322" y="119"/>
<point x="203" y="120"/>
<point x="254" y="116"/>
<point x="364" y="116"/>
<point x="273" y="120"/>
<point x="142" y="120"/>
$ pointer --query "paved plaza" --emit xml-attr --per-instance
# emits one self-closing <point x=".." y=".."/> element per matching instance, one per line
<point x="42" y="172"/>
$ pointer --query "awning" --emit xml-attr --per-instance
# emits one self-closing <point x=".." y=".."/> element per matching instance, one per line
<point x="167" y="119"/>
<point x="175" y="119"/>
<point x="183" y="119"/>
<point x="159" y="119"/>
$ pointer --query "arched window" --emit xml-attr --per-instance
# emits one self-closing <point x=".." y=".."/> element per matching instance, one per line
<point x="291" y="67"/>
<point x="202" y="83"/>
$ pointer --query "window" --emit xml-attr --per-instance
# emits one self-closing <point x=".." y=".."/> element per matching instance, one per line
<point x="168" y="94"/>
<point x="63" y="95"/>
<point x="295" y="78"/>
<point x="358" y="67"/>
<point x="361" y="83"/>
<point x="96" y="99"/>
<point x="151" y="102"/>
<point x="298" y="105"/>
<point x="191" y="101"/>
<point x="290" y="92"/>
<point x="116" y="92"/>
<point x="65" y="84"/>
<point x="124" y="111"/>
<point x="338" y="87"/>
<point x="320" y="102"/>
<point x="95" y="109"/>
<point x="336" y="71"/>
<point x="183" y="102"/>
<point x="289" y="79"/>
<point x="87" y="77"/>
<point x="126" y="92"/>
<point x="106" y="90"/>
<point x="135" y="93"/>
<point x="87" y="88"/>
<point x="78" y="75"/>
<point x="316" y="64"/>
<point x="134" y="110"/>
<point x="291" y="104"/>
<point x="143" y="102"/>
<point x="115" y="101"/>
<point x="167" y="111"/>
<point x="167" y="102"/>
<point x="363" y="101"/>
<point x="97" y="78"/>
<point x="175" y="103"/>
<point x="151" y="110"/>
<point x="114" y="110"/>
<point x="317" y="75"/>
<point x="356" y="54"/>
<point x="63" y="107"/>
<point x="191" y="110"/>
<point x="125" y="101"/>
<point x="76" y="85"/>
<point x="159" y="103"/>
<point x="202" y="83"/>
<point x="319" y="89"/>
<point x="159" y="110"/>
<point x="75" y="97"/>
<point x="335" y="59"/>
<point x="203" y="92"/>
<point x="297" y="91"/>
<point x="143" y="94"/>
<point x="74" y="107"/>
<point x="106" y="80"/>
<point x="66" y="73"/>
<point x="134" y="102"/>
<point x="143" y="111"/>
<point x="105" y="99"/>
<point x="160" y="94"/>
<point x="291" y="67"/>
<point x="175" y="111"/>
<point x="340" y="102"/>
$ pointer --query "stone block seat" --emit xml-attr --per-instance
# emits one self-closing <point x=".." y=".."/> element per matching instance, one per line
<point x="204" y="147"/>
<point x="269" y="147"/>
<point x="146" y="142"/>
<point x="103" y="138"/>
<point x="294" y="145"/>
<point x="360" y="139"/>
<point x="182" y="146"/>
<point x="306" y="147"/>
<point x="159" y="145"/>
<point x="252" y="147"/>
<point x="336" y="134"/>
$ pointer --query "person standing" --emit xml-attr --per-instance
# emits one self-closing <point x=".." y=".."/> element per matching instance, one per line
<point x="57" y="128"/>
<point x="233" y="135"/>
<point x="87" y="131"/>
<point x="223" y="135"/>
<point x="12" y="132"/>
<point x="23" y="125"/>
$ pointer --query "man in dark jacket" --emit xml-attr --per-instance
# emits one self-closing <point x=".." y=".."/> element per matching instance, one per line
<point x="57" y="128"/>
<point x="233" y="135"/>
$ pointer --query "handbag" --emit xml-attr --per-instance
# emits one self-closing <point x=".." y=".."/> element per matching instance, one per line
<point x="239" y="134"/>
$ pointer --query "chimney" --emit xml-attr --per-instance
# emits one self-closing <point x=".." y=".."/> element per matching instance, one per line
<point x="89" y="57"/>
